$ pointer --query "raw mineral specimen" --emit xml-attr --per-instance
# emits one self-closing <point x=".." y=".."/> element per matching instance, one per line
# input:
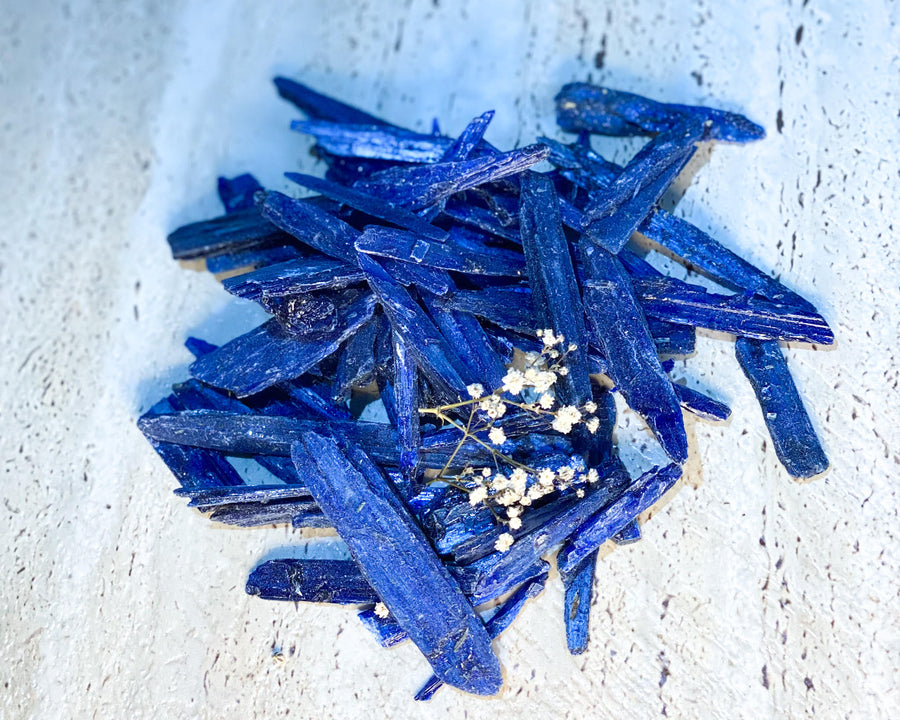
<point x="474" y="301"/>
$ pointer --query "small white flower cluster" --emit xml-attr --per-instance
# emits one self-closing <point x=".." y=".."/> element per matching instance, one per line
<point x="517" y="490"/>
<point x="508" y="494"/>
<point x="538" y="379"/>
<point x="381" y="610"/>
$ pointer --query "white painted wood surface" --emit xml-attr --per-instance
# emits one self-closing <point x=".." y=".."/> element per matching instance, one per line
<point x="751" y="596"/>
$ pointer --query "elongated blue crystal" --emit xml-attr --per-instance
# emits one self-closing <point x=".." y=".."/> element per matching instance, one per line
<point x="463" y="332"/>
<point x="614" y="517"/>
<point x="356" y="365"/>
<point x="580" y="106"/>
<point x="551" y="274"/>
<point x="401" y="566"/>
<point x="702" y="251"/>
<point x="237" y="193"/>
<point x="406" y="390"/>
<point x="619" y="328"/>
<point x="311" y="580"/>
<point x="675" y="301"/>
<point x="261" y="435"/>
<point x="297" y="513"/>
<point x="796" y="444"/>
<point x="311" y="225"/>
<point x="374" y="141"/>
<point x="322" y="107"/>
<point x="386" y="630"/>
<point x="294" y="277"/>
<point x="577" y="606"/>
<point x="459" y="253"/>
<point x="418" y="186"/>
<point x="193" y="467"/>
<point x="619" y="210"/>
<point x="208" y="497"/>
<point x="701" y="405"/>
<point x="236" y="231"/>
<point x="469" y="139"/>
<point x="432" y="279"/>
<point x="254" y="258"/>
<point x="370" y="204"/>
<point x="495" y="625"/>
<point x="268" y="354"/>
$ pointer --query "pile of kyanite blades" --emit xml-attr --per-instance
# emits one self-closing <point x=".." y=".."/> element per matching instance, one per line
<point x="427" y="265"/>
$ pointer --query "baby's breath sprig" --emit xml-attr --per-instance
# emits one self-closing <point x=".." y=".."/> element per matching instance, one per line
<point x="510" y="487"/>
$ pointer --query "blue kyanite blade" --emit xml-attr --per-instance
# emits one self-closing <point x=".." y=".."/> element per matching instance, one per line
<point x="795" y="440"/>
<point x="401" y="566"/>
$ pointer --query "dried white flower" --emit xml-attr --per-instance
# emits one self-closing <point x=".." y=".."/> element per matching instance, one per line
<point x="546" y="477"/>
<point x="546" y="401"/>
<point x="566" y="417"/>
<point x="590" y="406"/>
<point x="504" y="542"/>
<point x="544" y="380"/>
<point x="593" y="424"/>
<point x="513" y="512"/>
<point x="513" y="382"/>
<point x="515" y="523"/>
<point x="475" y="390"/>
<point x="497" y="436"/>
<point x="519" y="480"/>
<point x="550" y="339"/>
<point x="499" y="482"/>
<point x="478" y="495"/>
<point x="493" y="406"/>
<point x="593" y="476"/>
<point x="381" y="610"/>
<point x="485" y="472"/>
<point x="566" y="473"/>
<point x="564" y="371"/>
<point x="579" y="493"/>
<point x="572" y="347"/>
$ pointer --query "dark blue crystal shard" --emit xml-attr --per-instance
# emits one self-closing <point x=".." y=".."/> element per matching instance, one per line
<point x="401" y="566"/>
<point x="294" y="277"/>
<point x="269" y="354"/>
<point x="322" y="107"/>
<point x="614" y="517"/>
<point x="237" y="193"/>
<point x="620" y="329"/>
<point x="554" y="289"/>
<point x="793" y="436"/>
<point x="580" y="106"/>
<point x="496" y="624"/>
<point x="433" y="355"/>
<point x="326" y="581"/>
<point x="230" y="233"/>
<point x="577" y="607"/>
<point x="381" y="142"/>
<point x="386" y="630"/>
<point x="618" y="211"/>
